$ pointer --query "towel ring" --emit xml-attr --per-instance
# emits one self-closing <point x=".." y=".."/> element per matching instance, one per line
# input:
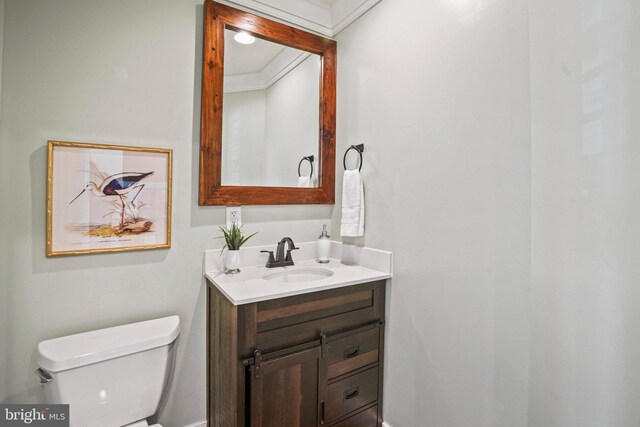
<point x="359" y="148"/>
<point x="310" y="160"/>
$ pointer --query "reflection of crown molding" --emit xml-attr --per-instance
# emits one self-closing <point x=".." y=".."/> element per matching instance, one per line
<point x="286" y="61"/>
<point x="309" y="14"/>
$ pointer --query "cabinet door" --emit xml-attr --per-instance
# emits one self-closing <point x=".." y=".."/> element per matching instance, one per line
<point x="285" y="393"/>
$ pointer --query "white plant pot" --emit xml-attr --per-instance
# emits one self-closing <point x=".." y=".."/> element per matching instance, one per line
<point x="232" y="262"/>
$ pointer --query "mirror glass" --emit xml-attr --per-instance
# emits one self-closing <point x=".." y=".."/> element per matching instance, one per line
<point x="271" y="113"/>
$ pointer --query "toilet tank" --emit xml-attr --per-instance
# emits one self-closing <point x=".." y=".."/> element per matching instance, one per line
<point x="110" y="377"/>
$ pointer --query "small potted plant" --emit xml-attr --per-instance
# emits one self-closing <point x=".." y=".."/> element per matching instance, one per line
<point x="233" y="241"/>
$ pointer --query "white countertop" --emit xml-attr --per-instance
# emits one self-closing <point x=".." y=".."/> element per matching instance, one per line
<point x="351" y="265"/>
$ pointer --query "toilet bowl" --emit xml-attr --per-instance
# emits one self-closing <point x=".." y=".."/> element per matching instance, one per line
<point x="110" y="377"/>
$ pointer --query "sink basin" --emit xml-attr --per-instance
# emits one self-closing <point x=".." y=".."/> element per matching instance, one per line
<point x="297" y="275"/>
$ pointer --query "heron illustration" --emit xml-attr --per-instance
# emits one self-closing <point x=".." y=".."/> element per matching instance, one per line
<point x="117" y="185"/>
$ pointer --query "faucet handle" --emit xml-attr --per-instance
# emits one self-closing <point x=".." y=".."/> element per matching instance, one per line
<point x="271" y="259"/>
<point x="288" y="257"/>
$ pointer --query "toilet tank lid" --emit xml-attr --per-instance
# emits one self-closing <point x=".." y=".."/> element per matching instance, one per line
<point x="72" y="351"/>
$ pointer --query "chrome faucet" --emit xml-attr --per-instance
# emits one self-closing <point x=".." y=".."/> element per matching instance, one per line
<point x="281" y="260"/>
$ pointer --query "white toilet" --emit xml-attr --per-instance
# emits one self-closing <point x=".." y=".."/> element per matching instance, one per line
<point x="110" y="377"/>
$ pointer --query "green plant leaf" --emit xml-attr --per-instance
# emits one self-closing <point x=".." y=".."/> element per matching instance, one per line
<point x="233" y="237"/>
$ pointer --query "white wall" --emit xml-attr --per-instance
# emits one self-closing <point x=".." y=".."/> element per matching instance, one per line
<point x="118" y="72"/>
<point x="585" y="359"/>
<point x="439" y="93"/>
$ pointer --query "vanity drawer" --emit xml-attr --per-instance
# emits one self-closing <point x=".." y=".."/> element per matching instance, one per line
<point x="352" y="352"/>
<point x="351" y="393"/>
<point x="366" y="418"/>
<point x="295" y="320"/>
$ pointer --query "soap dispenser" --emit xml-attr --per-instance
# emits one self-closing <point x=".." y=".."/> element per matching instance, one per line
<point x="323" y="246"/>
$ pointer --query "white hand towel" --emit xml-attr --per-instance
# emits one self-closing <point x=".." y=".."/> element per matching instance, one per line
<point x="352" y="204"/>
<point x="304" y="181"/>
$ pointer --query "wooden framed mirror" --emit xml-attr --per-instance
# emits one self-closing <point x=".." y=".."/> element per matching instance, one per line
<point x="268" y="115"/>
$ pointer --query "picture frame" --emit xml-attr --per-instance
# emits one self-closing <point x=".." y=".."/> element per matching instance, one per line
<point x="107" y="198"/>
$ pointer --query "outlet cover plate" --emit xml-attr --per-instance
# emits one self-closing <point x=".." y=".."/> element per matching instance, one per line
<point x="234" y="214"/>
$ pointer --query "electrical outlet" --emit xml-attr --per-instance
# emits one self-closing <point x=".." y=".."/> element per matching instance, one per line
<point x="234" y="214"/>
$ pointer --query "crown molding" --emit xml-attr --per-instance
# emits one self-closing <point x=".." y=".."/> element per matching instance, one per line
<point x="279" y="67"/>
<point x="308" y="14"/>
<point x="344" y="12"/>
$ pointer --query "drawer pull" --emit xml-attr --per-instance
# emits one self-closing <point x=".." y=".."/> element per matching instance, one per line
<point x="351" y="393"/>
<point x="352" y="352"/>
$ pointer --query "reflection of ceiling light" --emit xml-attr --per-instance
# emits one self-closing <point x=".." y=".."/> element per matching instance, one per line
<point x="244" y="38"/>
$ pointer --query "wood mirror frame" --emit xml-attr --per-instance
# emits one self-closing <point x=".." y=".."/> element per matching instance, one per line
<point x="217" y="17"/>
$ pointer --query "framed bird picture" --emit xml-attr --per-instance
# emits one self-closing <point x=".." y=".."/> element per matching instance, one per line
<point x="107" y="198"/>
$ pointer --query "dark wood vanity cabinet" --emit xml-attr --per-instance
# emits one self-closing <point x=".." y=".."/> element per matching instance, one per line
<point x="303" y="361"/>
